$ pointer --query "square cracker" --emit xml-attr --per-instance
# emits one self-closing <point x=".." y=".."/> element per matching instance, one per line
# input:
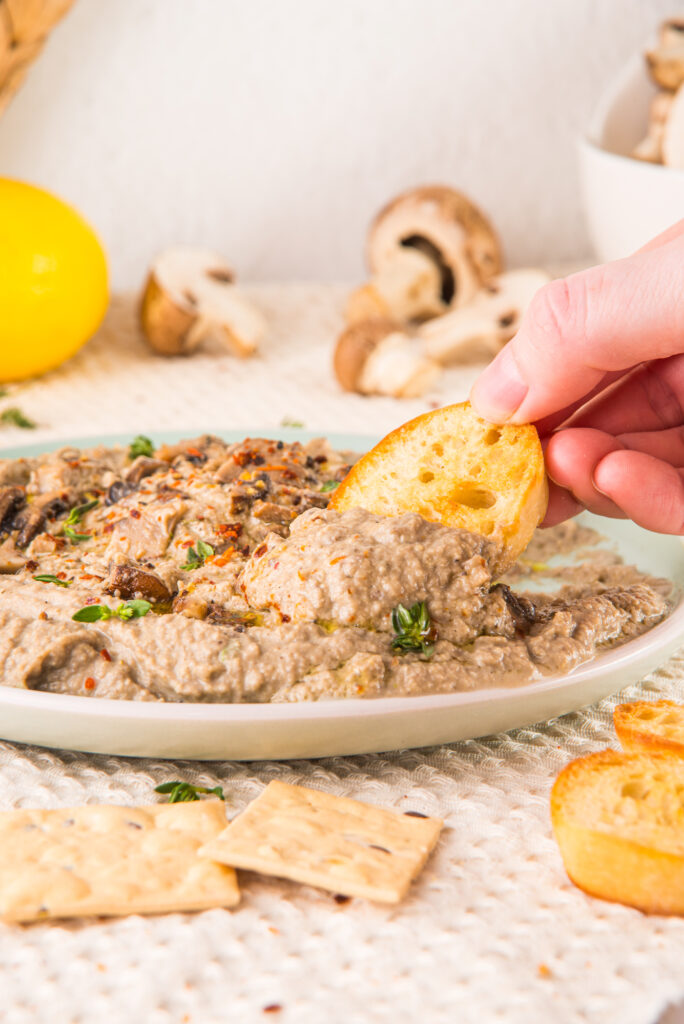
<point x="328" y="841"/>
<point x="101" y="859"/>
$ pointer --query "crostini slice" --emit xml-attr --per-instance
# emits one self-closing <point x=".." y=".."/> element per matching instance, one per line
<point x="650" y="725"/>
<point x="453" y="467"/>
<point x="618" y="819"/>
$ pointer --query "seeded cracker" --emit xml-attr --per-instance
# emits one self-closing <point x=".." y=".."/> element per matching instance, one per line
<point x="111" y="860"/>
<point x="328" y="841"/>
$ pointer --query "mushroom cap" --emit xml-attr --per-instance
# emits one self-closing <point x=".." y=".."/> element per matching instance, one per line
<point x="445" y="225"/>
<point x="354" y="346"/>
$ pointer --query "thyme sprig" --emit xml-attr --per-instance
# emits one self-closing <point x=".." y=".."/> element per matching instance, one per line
<point x="74" y="517"/>
<point x="330" y="485"/>
<point x="198" y="557"/>
<point x="46" y="577"/>
<point x="127" y="610"/>
<point x="413" y="629"/>
<point x="16" y="418"/>
<point x="184" y="792"/>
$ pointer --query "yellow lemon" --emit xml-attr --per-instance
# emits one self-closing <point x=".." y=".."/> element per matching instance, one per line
<point x="53" y="281"/>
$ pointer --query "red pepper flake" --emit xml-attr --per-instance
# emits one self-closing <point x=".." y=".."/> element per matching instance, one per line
<point x="90" y="683"/>
<point x="31" y="566"/>
<point x="284" y="617"/>
<point x="43" y="616"/>
<point x="261" y="550"/>
<point x="230" y="530"/>
<point x="74" y="464"/>
<point x="90" y="576"/>
<point x="224" y="558"/>
<point x="340" y="558"/>
<point x="186" y="543"/>
<point x="135" y="513"/>
<point x="104" y="653"/>
<point x="272" y="1008"/>
<point x="196" y="452"/>
<point x="108" y="528"/>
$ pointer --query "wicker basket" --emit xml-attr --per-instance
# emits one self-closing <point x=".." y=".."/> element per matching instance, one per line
<point x="24" y="27"/>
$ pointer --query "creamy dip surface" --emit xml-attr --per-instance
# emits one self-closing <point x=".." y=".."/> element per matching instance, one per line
<point x="258" y="592"/>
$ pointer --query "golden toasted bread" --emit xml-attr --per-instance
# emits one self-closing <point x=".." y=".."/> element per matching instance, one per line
<point x="650" y="725"/>
<point x="619" y="821"/>
<point x="452" y="467"/>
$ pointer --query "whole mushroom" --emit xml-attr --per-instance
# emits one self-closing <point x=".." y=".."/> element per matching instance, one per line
<point x="189" y="297"/>
<point x="376" y="358"/>
<point x="429" y="250"/>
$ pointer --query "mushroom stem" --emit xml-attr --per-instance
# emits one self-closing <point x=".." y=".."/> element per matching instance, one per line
<point x="407" y="288"/>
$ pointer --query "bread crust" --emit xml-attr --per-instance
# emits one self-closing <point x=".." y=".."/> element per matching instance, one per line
<point x="607" y="861"/>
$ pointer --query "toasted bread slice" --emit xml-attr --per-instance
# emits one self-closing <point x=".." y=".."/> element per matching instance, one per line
<point x="650" y="725"/>
<point x="452" y="467"/>
<point x="619" y="821"/>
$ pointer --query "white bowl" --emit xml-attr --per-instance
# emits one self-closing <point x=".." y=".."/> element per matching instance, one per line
<point x="627" y="201"/>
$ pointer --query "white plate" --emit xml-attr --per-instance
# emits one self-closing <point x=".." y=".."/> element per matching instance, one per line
<point x="247" y="732"/>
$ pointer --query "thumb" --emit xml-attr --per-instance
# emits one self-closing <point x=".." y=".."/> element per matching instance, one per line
<point x="578" y="329"/>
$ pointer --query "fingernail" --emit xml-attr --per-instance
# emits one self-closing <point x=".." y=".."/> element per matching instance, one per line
<point x="500" y="390"/>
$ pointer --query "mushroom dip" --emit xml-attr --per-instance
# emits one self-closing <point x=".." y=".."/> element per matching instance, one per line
<point x="207" y="571"/>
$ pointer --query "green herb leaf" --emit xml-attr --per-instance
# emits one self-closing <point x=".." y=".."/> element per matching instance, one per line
<point x="15" y="418"/>
<point x="76" y="514"/>
<point x="184" y="792"/>
<point x="413" y="629"/>
<point x="140" y="445"/>
<point x="330" y="485"/>
<point x="198" y="557"/>
<point x="74" y="537"/>
<point x="127" y="610"/>
<point x="132" y="610"/>
<point x="45" y="577"/>
<point x="93" y="613"/>
<point x="287" y="421"/>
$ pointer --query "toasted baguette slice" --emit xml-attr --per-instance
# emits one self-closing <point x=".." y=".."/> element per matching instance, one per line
<point x="650" y="725"/>
<point x="619" y="821"/>
<point x="452" y="467"/>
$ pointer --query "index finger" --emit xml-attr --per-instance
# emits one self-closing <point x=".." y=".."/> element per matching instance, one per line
<point x="603" y="320"/>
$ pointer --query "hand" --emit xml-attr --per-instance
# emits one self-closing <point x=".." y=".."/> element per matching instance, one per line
<point x="598" y="366"/>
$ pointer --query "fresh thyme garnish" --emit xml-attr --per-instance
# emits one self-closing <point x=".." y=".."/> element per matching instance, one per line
<point x="140" y="445"/>
<point x="287" y="421"/>
<point x="198" y="557"/>
<point x="330" y="485"/>
<point x="413" y="629"/>
<point x="16" y="418"/>
<point x="183" y="792"/>
<point x="74" y="517"/>
<point x="45" y="577"/>
<point x="127" y="610"/>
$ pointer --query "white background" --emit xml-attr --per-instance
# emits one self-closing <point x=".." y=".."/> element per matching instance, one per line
<point x="272" y="131"/>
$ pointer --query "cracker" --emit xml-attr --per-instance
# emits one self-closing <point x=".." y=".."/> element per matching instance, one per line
<point x="111" y="860"/>
<point x="328" y="841"/>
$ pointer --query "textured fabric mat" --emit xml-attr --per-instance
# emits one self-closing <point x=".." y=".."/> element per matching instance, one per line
<point x="492" y="931"/>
